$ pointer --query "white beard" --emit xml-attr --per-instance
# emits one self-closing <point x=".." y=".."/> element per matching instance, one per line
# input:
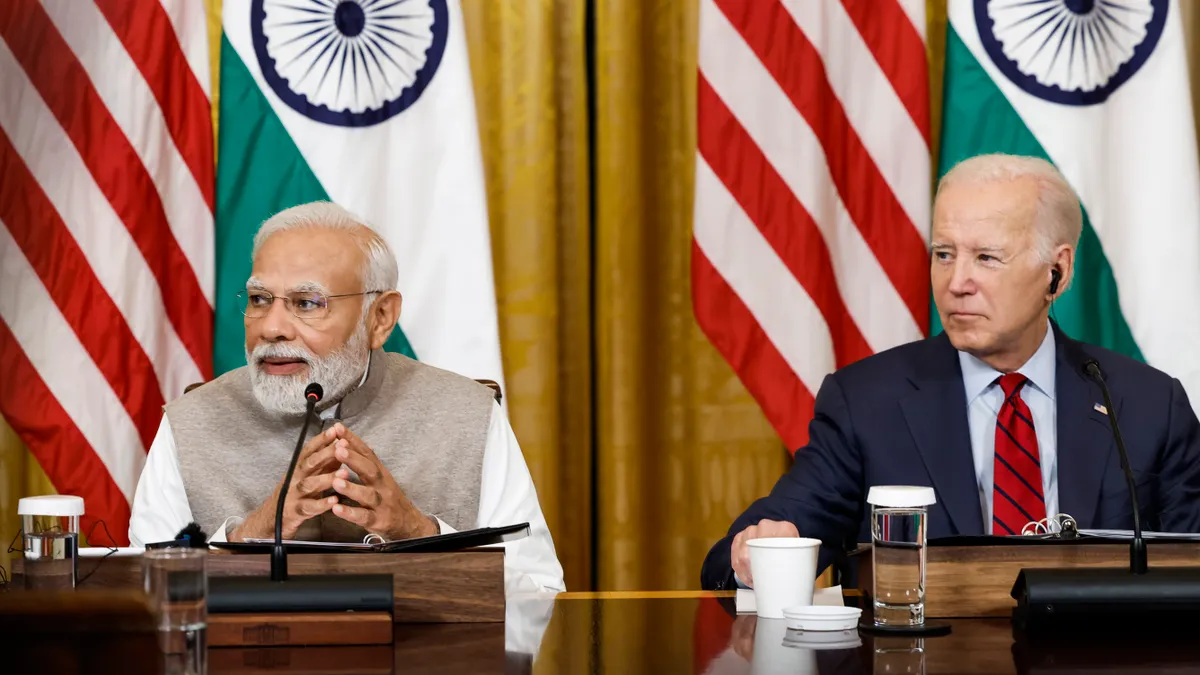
<point x="337" y="373"/>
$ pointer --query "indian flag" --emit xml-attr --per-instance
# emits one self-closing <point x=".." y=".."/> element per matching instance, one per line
<point x="1099" y="88"/>
<point x="366" y="103"/>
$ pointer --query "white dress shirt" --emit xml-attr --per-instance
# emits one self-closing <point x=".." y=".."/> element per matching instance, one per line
<point x="506" y="497"/>
<point x="984" y="398"/>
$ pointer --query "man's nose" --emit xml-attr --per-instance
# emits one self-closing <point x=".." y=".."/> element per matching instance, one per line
<point x="962" y="281"/>
<point x="279" y="324"/>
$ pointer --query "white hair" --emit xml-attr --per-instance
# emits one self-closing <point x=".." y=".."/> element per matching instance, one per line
<point x="380" y="272"/>
<point x="1058" y="219"/>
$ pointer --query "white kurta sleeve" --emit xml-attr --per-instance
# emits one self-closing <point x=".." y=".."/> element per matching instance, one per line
<point x="507" y="497"/>
<point x="160" y="505"/>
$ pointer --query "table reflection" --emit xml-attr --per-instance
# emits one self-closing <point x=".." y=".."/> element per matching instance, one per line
<point x="699" y="634"/>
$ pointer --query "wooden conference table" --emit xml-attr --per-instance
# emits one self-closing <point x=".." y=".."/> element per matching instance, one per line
<point x="695" y="632"/>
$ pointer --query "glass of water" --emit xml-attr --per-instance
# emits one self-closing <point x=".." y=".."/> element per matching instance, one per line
<point x="175" y="581"/>
<point x="50" y="525"/>
<point x="899" y="515"/>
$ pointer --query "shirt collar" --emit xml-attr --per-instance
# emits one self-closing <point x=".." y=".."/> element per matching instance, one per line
<point x="978" y="376"/>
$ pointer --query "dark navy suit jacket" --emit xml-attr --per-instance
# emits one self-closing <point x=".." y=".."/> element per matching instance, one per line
<point x="900" y="418"/>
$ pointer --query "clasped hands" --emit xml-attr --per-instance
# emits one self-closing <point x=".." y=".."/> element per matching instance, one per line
<point x="382" y="507"/>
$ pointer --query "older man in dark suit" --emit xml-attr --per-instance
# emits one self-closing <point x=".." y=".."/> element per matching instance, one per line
<point x="996" y="413"/>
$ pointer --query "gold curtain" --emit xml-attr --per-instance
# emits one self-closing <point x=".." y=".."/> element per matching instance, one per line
<point x="681" y="447"/>
<point x="677" y="446"/>
<point x="528" y="63"/>
<point x="20" y="476"/>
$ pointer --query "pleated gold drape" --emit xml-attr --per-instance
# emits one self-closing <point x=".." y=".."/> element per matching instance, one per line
<point x="681" y="446"/>
<point x="677" y="446"/>
<point x="528" y="63"/>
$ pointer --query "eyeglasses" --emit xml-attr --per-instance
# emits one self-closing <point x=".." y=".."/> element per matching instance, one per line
<point x="308" y="305"/>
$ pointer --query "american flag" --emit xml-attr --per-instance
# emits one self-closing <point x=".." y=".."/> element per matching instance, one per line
<point x="812" y="190"/>
<point x="106" y="233"/>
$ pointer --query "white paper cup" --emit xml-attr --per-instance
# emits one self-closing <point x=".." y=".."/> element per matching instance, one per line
<point x="784" y="571"/>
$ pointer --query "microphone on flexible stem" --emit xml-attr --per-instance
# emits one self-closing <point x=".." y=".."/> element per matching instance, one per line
<point x="312" y="396"/>
<point x="1097" y="599"/>
<point x="1137" y="546"/>
<point x="326" y="592"/>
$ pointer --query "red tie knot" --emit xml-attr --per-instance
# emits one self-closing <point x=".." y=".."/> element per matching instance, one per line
<point x="1012" y="382"/>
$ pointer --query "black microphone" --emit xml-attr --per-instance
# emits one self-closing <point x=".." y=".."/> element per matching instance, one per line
<point x="302" y="593"/>
<point x="312" y="395"/>
<point x="1098" y="599"/>
<point x="1137" y="547"/>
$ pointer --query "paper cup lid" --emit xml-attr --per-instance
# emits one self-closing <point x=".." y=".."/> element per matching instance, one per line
<point x="900" y="496"/>
<point x="50" y="505"/>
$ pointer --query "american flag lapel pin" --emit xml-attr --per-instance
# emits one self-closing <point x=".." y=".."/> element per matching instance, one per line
<point x="1100" y="409"/>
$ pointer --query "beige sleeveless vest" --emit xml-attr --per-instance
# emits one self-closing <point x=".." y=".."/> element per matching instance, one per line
<point x="427" y="425"/>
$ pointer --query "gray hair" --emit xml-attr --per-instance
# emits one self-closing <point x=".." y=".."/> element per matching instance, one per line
<point x="380" y="272"/>
<point x="1058" y="219"/>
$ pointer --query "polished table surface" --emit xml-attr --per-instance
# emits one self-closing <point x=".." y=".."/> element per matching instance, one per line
<point x="695" y="632"/>
<point x="673" y="632"/>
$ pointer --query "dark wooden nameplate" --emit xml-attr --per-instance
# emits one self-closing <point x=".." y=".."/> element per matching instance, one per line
<point x="458" y="587"/>
<point x="976" y="581"/>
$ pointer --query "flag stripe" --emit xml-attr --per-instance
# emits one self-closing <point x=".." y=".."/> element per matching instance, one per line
<point x="47" y="245"/>
<point x="782" y="221"/>
<point x="896" y="144"/>
<point x="915" y="11"/>
<point x="65" y="87"/>
<point x="794" y="151"/>
<point x="190" y="21"/>
<point x="57" y="444"/>
<point x="110" y="250"/>
<point x="135" y="109"/>
<point x="733" y="330"/>
<point x="50" y="345"/>
<point x="149" y="37"/>
<point x="898" y="49"/>
<point x="796" y="65"/>
<point x="748" y="264"/>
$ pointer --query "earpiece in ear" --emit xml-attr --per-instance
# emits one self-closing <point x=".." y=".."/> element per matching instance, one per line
<point x="1055" y="278"/>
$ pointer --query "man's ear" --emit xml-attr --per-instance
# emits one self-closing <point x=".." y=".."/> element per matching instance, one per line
<point x="381" y="321"/>
<point x="1064" y="262"/>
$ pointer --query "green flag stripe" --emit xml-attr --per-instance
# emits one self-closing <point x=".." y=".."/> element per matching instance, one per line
<point x="978" y="119"/>
<point x="260" y="172"/>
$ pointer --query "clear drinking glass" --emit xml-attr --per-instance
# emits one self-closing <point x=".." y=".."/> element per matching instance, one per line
<point x="50" y="528"/>
<point x="175" y="580"/>
<point x="899" y="517"/>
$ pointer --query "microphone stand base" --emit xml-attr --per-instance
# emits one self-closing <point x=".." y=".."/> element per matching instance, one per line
<point x="301" y="593"/>
<point x="1091" y="599"/>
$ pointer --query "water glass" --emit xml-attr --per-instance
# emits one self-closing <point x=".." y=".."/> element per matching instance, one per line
<point x="899" y="515"/>
<point x="175" y="581"/>
<point x="50" y="528"/>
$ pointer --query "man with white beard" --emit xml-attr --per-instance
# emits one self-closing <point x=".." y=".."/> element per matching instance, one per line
<point x="405" y="449"/>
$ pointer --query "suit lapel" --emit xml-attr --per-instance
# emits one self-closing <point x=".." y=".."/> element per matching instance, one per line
<point x="936" y="413"/>
<point x="1085" y="441"/>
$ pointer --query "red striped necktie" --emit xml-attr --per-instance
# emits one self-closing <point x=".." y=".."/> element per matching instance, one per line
<point x="1017" y="480"/>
